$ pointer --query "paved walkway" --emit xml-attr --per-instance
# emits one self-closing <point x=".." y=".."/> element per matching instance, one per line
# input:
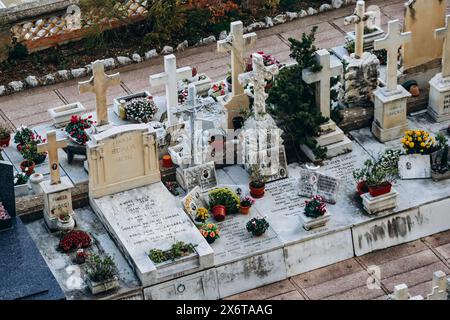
<point x="411" y="263"/>
<point x="30" y="107"/>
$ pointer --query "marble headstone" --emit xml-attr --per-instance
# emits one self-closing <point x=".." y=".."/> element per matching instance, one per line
<point x="414" y="166"/>
<point x="193" y="201"/>
<point x="313" y="183"/>
<point x="202" y="175"/>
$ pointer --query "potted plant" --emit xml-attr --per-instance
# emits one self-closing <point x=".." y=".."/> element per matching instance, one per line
<point x="210" y="232"/>
<point x="257" y="226"/>
<point x="5" y="136"/>
<point x="257" y="182"/>
<point x="440" y="168"/>
<point x="21" y="184"/>
<point x="65" y="222"/>
<point x="246" y="204"/>
<point x="315" y="214"/>
<point x="141" y="109"/>
<point x="223" y="201"/>
<point x="200" y="216"/>
<point x="76" y="129"/>
<point x="29" y="151"/>
<point x="5" y="218"/>
<point x="22" y="135"/>
<point x="101" y="273"/>
<point x="416" y="163"/>
<point x="178" y="250"/>
<point x="218" y="89"/>
<point x="75" y="239"/>
<point x="81" y="256"/>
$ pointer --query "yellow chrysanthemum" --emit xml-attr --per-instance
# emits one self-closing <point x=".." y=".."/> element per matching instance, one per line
<point x="411" y="144"/>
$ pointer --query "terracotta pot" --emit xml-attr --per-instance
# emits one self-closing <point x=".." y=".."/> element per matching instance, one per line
<point x="414" y="90"/>
<point x="362" y="188"/>
<point x="376" y="191"/>
<point x="27" y="164"/>
<point x="4" y="142"/>
<point x="257" y="193"/>
<point x="245" y="210"/>
<point x="219" y="212"/>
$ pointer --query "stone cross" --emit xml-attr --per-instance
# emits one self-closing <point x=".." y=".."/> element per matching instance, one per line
<point x="358" y="18"/>
<point x="237" y="43"/>
<point x="444" y="33"/>
<point x="392" y="43"/>
<point x="329" y="70"/>
<point x="52" y="147"/>
<point x="258" y="77"/>
<point x="439" y="287"/>
<point x="170" y="78"/>
<point x="99" y="84"/>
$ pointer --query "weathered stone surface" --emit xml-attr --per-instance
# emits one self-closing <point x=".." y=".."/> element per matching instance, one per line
<point x="151" y="54"/>
<point x="78" y="73"/>
<point x="336" y="4"/>
<point x="16" y="86"/>
<point x="269" y="22"/>
<point x="207" y="40"/>
<point x="279" y="19"/>
<point x="49" y="79"/>
<point x="2" y="90"/>
<point x="183" y="46"/>
<point x="167" y="50"/>
<point x="303" y="13"/>
<point x="223" y="35"/>
<point x="311" y="11"/>
<point x="109" y="63"/>
<point x="63" y="74"/>
<point x="325" y="7"/>
<point x="32" y="81"/>
<point x="291" y="15"/>
<point x="123" y="61"/>
<point x="136" y="57"/>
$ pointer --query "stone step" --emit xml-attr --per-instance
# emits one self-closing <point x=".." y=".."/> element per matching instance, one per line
<point x="333" y="150"/>
<point x="333" y="137"/>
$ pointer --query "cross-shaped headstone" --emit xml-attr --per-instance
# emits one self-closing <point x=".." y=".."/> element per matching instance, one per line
<point x="358" y="18"/>
<point x="170" y="78"/>
<point x="258" y="77"/>
<point x="392" y="43"/>
<point x="99" y="84"/>
<point x="439" y="287"/>
<point x="52" y="147"/>
<point x="329" y="70"/>
<point x="237" y="43"/>
<point x="444" y="33"/>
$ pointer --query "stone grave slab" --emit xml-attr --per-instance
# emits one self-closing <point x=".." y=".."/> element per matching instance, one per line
<point x="149" y="217"/>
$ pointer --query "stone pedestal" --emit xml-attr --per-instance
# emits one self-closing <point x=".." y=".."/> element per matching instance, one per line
<point x="61" y="115"/>
<point x="333" y="138"/>
<point x="374" y="205"/>
<point x="313" y="223"/>
<point x="234" y="104"/>
<point x="57" y="200"/>
<point x="439" y="101"/>
<point x="390" y="115"/>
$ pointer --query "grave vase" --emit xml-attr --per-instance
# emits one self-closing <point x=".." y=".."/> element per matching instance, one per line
<point x="4" y="141"/>
<point x="35" y="180"/>
<point x="66" y="225"/>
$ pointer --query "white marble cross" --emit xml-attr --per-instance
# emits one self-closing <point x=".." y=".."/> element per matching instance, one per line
<point x="358" y="18"/>
<point x="237" y="42"/>
<point x="99" y="84"/>
<point x="329" y="70"/>
<point x="258" y="77"/>
<point x="52" y="147"/>
<point x="392" y="43"/>
<point x="439" y="287"/>
<point x="444" y="33"/>
<point x="170" y="78"/>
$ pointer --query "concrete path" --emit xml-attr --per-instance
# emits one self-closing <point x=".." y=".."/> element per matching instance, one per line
<point x="411" y="263"/>
<point x="30" y="107"/>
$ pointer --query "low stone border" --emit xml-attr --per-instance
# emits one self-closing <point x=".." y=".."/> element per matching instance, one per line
<point x="112" y="63"/>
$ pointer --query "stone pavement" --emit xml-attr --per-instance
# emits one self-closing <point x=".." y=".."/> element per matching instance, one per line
<point x="30" y="107"/>
<point x="412" y="263"/>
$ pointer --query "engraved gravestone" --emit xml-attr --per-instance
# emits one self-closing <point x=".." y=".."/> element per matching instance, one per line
<point x="313" y="183"/>
<point x="202" y="175"/>
<point x="7" y="197"/>
<point x="414" y="166"/>
<point x="193" y="201"/>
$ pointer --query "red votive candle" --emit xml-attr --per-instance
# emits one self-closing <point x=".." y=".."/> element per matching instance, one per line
<point x="167" y="161"/>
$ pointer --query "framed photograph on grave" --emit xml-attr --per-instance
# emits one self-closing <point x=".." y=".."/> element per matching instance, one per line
<point x="414" y="166"/>
<point x="313" y="183"/>
<point x="203" y="176"/>
<point x="273" y="168"/>
<point x="193" y="201"/>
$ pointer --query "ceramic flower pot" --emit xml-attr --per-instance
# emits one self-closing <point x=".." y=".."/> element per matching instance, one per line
<point x="245" y="210"/>
<point x="362" y="188"/>
<point x="35" y="180"/>
<point x="4" y="142"/>
<point x="27" y="167"/>
<point x="66" y="225"/>
<point x="379" y="190"/>
<point x="257" y="193"/>
<point x="219" y="212"/>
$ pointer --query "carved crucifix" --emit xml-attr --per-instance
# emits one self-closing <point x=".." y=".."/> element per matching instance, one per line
<point x="329" y="70"/>
<point x="170" y="78"/>
<point x="444" y="33"/>
<point x="52" y="147"/>
<point x="358" y="18"/>
<point x="258" y="77"/>
<point x="392" y="43"/>
<point x="99" y="84"/>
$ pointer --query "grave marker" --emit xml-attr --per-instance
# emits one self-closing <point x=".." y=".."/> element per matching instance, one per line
<point x="313" y="183"/>
<point x="52" y="147"/>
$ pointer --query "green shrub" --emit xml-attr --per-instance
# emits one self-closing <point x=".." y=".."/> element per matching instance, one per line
<point x="226" y="198"/>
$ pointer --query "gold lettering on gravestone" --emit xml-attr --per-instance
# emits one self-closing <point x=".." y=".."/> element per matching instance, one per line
<point x="447" y="101"/>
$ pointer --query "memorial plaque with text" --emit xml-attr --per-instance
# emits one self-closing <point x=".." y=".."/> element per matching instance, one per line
<point x="313" y="183"/>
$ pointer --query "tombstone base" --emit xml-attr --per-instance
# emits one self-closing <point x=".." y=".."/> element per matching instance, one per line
<point x="234" y="105"/>
<point x="57" y="200"/>
<point x="330" y="138"/>
<point x="439" y="101"/>
<point x="314" y="223"/>
<point x="390" y="114"/>
<point x="61" y="115"/>
<point x="333" y="150"/>
<point x="385" y="202"/>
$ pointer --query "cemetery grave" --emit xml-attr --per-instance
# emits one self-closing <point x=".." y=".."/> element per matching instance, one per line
<point x="195" y="240"/>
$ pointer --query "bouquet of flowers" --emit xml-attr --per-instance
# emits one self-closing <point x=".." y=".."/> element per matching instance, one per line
<point x="210" y="232"/>
<point x="22" y="136"/>
<point x="75" y="240"/>
<point x="268" y="60"/>
<point x="77" y="127"/>
<point x="418" y="142"/>
<point x="20" y="179"/>
<point x="29" y="149"/>
<point x="141" y="109"/>
<point x="182" y="95"/>
<point x="315" y="207"/>
<point x="218" y="89"/>
<point x="202" y="214"/>
<point x="257" y="226"/>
